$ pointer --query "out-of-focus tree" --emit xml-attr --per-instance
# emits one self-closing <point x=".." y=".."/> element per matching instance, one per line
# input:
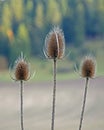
<point x="73" y="23"/>
<point x="39" y="19"/>
<point x="78" y="20"/>
<point x="17" y="8"/>
<point x="4" y="46"/>
<point x="6" y="19"/>
<point x="21" y="43"/>
<point x="63" y="5"/>
<point x="53" y="12"/>
<point x="25" y="23"/>
<point x="100" y="10"/>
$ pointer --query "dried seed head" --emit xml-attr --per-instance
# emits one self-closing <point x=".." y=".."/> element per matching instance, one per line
<point x="55" y="44"/>
<point x="21" y="69"/>
<point x="88" y="67"/>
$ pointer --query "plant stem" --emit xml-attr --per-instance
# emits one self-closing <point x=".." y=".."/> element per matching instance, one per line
<point x="84" y="102"/>
<point x="21" y="107"/>
<point x="54" y="95"/>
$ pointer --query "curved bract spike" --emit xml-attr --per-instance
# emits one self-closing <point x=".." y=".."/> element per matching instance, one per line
<point x="45" y="53"/>
<point x="21" y="56"/>
<point x="66" y="56"/>
<point x="57" y="43"/>
<point x="76" y="70"/>
<point x="31" y="76"/>
<point x="11" y="76"/>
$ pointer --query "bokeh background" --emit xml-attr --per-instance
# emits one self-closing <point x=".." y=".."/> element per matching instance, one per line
<point x="24" y="25"/>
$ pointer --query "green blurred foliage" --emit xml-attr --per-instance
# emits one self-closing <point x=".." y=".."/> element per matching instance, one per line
<point x="21" y="43"/>
<point x="25" y="23"/>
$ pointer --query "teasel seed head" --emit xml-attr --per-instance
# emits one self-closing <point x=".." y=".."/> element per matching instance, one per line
<point x="21" y="69"/>
<point x="88" y="67"/>
<point x="55" y="44"/>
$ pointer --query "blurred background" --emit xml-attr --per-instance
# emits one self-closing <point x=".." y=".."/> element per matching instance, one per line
<point x="24" y="25"/>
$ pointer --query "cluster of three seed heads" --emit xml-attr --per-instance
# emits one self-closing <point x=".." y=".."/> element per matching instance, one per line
<point x="54" y="49"/>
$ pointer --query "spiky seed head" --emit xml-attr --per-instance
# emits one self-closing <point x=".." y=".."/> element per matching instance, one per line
<point x="22" y="71"/>
<point x="88" y="67"/>
<point x="55" y="44"/>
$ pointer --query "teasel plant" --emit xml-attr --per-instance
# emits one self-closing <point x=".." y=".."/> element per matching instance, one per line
<point x="21" y="74"/>
<point x="87" y="71"/>
<point x="54" y="49"/>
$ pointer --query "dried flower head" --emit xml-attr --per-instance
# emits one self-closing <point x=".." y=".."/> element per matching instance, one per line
<point x="55" y="44"/>
<point x="21" y="69"/>
<point x="88" y="67"/>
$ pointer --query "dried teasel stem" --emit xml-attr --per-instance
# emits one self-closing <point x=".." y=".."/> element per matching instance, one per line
<point x="84" y="103"/>
<point x="88" y="68"/>
<point x="21" y="100"/>
<point x="21" y="74"/>
<point x="54" y="96"/>
<point x="54" y="49"/>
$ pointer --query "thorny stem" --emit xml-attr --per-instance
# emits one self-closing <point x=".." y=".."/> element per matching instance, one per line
<point x="84" y="102"/>
<point x="21" y="107"/>
<point x="54" y="96"/>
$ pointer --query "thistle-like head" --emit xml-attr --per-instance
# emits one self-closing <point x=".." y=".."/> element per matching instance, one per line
<point x="88" y="67"/>
<point x="55" y="44"/>
<point x="21" y="69"/>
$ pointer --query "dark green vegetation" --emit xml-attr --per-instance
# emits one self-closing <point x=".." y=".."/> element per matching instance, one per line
<point x="25" y="23"/>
